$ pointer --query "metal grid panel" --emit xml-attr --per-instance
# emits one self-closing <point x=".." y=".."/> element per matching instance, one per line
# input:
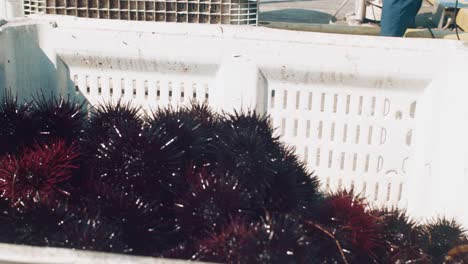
<point x="237" y="12"/>
<point x="244" y="12"/>
<point x="34" y="6"/>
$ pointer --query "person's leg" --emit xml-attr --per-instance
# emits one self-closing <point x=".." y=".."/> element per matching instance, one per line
<point x="415" y="6"/>
<point x="397" y="16"/>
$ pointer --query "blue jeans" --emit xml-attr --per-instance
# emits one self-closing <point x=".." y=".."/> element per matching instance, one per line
<point x="397" y="16"/>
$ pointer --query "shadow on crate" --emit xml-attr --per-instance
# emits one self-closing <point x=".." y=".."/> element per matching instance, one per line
<point x="27" y="69"/>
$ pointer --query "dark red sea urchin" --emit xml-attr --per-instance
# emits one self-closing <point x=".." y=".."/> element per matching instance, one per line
<point x="274" y="239"/>
<point x="347" y="218"/>
<point x="228" y="245"/>
<point x="37" y="173"/>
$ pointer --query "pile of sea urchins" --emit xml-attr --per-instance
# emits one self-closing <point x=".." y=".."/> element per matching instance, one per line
<point x="187" y="183"/>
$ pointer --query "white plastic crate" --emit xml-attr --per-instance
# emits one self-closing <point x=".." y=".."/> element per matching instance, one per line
<point x="234" y="12"/>
<point x="19" y="254"/>
<point x="383" y="116"/>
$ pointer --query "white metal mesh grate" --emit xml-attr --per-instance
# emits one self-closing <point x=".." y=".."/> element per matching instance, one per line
<point x="34" y="6"/>
<point x="235" y="12"/>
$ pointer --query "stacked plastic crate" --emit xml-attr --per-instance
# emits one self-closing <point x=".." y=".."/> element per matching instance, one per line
<point x="237" y="12"/>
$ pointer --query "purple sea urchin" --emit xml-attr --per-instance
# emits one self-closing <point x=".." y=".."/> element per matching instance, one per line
<point x="294" y="189"/>
<point x="440" y="236"/>
<point x="57" y="118"/>
<point x="247" y="149"/>
<point x="144" y="224"/>
<point x="400" y="235"/>
<point x="16" y="124"/>
<point x="211" y="201"/>
<point x="119" y="155"/>
<point x="192" y="127"/>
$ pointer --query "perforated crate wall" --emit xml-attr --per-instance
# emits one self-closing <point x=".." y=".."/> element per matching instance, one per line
<point x="236" y="12"/>
<point x="349" y="136"/>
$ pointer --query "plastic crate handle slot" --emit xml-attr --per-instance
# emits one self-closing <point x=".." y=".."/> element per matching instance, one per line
<point x="240" y="85"/>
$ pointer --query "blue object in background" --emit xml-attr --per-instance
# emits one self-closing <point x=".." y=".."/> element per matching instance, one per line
<point x="452" y="3"/>
<point x="398" y="15"/>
